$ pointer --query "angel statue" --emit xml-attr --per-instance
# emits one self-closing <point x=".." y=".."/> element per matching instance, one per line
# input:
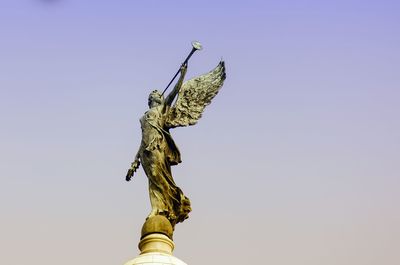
<point x="158" y="151"/>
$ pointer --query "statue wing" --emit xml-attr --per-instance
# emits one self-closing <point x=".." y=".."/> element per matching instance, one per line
<point x="194" y="96"/>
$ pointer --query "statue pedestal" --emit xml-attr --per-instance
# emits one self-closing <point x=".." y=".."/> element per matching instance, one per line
<point x="156" y="245"/>
<point x="156" y="249"/>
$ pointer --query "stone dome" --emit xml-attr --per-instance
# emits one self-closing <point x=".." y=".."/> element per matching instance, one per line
<point x="155" y="258"/>
<point x="156" y="243"/>
<point x="156" y="249"/>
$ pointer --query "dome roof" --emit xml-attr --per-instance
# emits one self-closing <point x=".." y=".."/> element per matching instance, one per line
<point x="156" y="244"/>
<point x="155" y="258"/>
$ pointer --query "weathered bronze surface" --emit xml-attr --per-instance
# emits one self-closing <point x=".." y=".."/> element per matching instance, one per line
<point x="158" y="151"/>
<point x="157" y="224"/>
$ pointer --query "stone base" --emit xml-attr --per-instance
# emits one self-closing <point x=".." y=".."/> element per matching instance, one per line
<point x="156" y="249"/>
<point x="155" y="258"/>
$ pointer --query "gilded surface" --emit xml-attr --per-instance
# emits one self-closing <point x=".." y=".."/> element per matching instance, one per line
<point x="158" y="151"/>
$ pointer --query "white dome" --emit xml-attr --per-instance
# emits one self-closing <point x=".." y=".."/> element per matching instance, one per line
<point x="156" y="249"/>
<point x="155" y="258"/>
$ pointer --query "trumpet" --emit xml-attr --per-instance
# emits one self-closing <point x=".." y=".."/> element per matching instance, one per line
<point x="196" y="46"/>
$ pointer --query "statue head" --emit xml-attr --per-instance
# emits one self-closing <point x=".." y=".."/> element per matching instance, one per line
<point x="155" y="99"/>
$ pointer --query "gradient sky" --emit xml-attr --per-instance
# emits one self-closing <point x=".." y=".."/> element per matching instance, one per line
<point x="296" y="161"/>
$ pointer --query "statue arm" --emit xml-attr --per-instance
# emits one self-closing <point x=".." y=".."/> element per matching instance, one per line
<point x="170" y="98"/>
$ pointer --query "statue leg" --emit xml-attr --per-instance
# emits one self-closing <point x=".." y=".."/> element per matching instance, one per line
<point x="156" y="201"/>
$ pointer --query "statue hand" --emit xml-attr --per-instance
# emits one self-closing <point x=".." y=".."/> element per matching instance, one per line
<point x="129" y="175"/>
<point x="134" y="166"/>
<point x="184" y="68"/>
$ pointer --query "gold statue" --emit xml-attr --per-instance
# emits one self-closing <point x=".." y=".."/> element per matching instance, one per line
<point x="158" y="151"/>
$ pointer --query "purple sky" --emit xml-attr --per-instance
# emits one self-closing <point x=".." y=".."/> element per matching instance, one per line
<point x="296" y="161"/>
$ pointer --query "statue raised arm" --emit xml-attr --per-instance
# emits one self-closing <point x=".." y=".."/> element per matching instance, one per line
<point x="170" y="98"/>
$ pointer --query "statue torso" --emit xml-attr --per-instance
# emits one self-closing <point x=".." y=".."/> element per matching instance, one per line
<point x="152" y="123"/>
<point x="155" y="136"/>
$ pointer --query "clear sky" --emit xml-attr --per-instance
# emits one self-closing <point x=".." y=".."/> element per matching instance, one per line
<point x="296" y="161"/>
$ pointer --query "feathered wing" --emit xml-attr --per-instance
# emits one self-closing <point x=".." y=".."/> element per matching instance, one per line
<point x="194" y="96"/>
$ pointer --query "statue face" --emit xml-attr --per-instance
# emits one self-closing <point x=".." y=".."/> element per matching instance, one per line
<point x="155" y="99"/>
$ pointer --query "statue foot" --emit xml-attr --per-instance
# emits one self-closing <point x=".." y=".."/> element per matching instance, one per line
<point x="152" y="214"/>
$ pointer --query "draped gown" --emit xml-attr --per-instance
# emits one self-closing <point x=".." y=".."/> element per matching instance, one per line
<point x="158" y="152"/>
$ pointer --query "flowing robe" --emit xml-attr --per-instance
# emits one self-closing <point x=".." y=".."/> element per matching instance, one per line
<point x="158" y="152"/>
